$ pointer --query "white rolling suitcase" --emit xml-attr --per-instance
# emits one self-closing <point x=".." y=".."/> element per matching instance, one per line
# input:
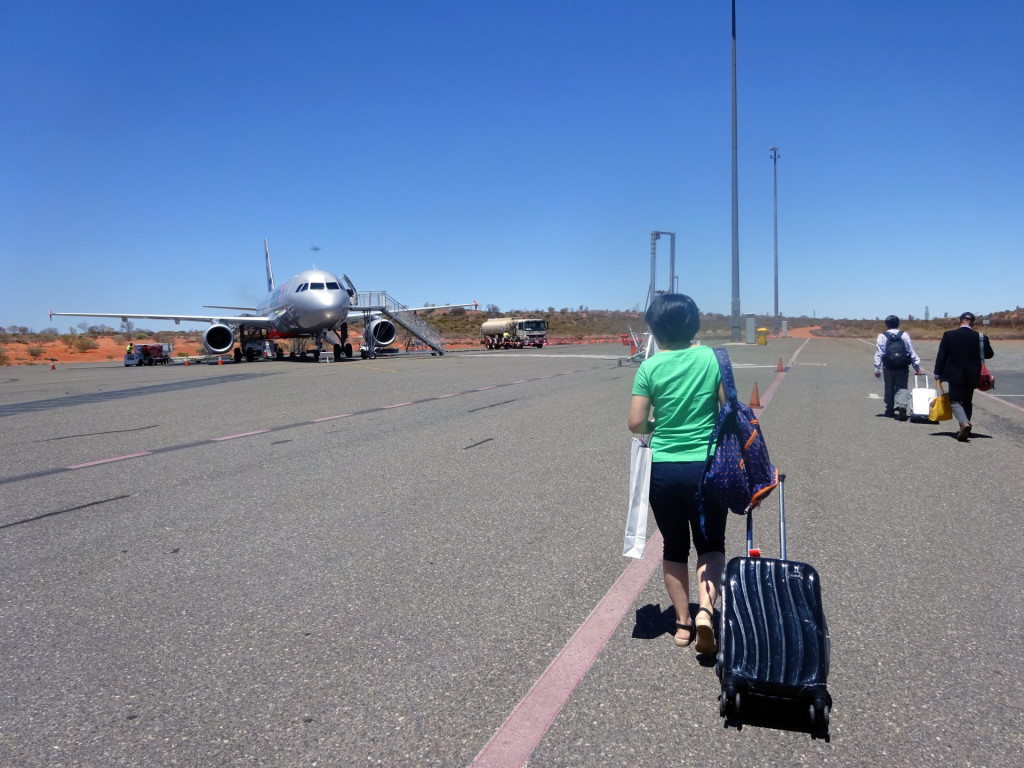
<point x="921" y="398"/>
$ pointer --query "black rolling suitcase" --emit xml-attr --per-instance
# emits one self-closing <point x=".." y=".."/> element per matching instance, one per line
<point x="773" y="638"/>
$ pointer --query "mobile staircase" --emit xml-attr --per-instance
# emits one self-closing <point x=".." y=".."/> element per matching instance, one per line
<point x="375" y="304"/>
<point x="643" y="345"/>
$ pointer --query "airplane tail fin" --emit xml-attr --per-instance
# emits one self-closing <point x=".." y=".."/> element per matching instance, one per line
<point x="270" y="272"/>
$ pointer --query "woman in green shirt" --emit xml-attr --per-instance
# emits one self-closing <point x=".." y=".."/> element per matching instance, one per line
<point x="683" y="386"/>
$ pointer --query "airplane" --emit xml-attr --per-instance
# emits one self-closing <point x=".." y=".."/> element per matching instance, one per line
<point x="310" y="304"/>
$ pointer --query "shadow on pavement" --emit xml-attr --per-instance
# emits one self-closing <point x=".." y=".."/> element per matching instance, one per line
<point x="777" y="714"/>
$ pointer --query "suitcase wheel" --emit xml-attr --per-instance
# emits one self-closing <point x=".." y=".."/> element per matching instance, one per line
<point x="819" y="712"/>
<point x="729" y="699"/>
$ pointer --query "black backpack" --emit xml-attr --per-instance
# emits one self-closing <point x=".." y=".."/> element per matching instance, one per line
<point x="896" y="357"/>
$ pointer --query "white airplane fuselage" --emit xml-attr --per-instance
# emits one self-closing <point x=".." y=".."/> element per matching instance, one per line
<point x="307" y="303"/>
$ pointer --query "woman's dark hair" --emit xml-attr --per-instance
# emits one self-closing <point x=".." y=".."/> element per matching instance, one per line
<point x="892" y="321"/>
<point x="673" y="319"/>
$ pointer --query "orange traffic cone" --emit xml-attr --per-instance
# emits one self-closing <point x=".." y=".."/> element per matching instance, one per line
<point x="779" y="369"/>
<point x="186" y="362"/>
<point x="220" y="360"/>
<point x="53" y="366"/>
<point x="755" y="401"/>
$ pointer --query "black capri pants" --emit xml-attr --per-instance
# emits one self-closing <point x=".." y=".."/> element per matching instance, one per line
<point x="675" y="499"/>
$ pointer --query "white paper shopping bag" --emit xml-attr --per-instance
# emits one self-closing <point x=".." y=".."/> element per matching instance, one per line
<point x="639" y="486"/>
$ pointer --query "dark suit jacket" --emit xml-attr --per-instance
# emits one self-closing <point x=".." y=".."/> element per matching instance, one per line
<point x="958" y="360"/>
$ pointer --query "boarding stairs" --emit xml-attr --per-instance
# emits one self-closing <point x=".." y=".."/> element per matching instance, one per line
<point x="371" y="302"/>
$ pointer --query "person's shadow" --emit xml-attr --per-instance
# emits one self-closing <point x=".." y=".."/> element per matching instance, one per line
<point x="652" y="622"/>
<point x="974" y="435"/>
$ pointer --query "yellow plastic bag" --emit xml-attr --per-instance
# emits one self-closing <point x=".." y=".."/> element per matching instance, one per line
<point x="940" y="409"/>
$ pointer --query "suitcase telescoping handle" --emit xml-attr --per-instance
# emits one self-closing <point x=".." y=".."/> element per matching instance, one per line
<point x="751" y="552"/>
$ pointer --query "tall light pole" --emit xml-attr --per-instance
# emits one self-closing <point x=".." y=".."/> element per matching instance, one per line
<point x="735" y="198"/>
<point x="655" y="236"/>
<point x="775" y="216"/>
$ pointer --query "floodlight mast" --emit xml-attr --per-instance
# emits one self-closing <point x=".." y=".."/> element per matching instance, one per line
<point x="735" y="198"/>
<point x="775" y="216"/>
<point x="655" y="236"/>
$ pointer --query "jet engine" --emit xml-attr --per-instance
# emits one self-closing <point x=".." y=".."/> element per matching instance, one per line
<point x="383" y="330"/>
<point x="218" y="339"/>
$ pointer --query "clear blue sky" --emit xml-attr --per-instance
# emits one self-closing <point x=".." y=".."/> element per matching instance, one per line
<point x="515" y="153"/>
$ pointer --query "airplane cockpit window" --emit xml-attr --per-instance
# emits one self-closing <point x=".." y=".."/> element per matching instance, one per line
<point x="333" y="287"/>
<point x="302" y="287"/>
<point x="316" y="286"/>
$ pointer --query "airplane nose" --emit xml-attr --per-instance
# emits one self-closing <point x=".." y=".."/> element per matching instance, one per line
<point x="322" y="309"/>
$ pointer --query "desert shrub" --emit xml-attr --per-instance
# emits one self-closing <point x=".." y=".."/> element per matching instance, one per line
<point x="35" y="352"/>
<point x="4" y="359"/>
<point x="83" y="343"/>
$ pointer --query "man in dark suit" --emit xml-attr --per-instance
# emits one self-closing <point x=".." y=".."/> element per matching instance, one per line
<point x="958" y="363"/>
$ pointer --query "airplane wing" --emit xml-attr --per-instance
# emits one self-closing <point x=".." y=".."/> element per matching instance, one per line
<point x="251" y="321"/>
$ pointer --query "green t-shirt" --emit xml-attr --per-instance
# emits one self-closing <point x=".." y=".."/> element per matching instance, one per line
<point x="683" y="387"/>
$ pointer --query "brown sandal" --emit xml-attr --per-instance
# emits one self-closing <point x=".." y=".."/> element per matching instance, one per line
<point x="706" y="633"/>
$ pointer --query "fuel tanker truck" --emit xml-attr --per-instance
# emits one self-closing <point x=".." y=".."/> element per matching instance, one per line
<point x="514" y="332"/>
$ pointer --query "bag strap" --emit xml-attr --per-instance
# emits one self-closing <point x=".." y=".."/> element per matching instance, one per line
<point x="981" y="347"/>
<point x="725" y="369"/>
<point x="729" y="385"/>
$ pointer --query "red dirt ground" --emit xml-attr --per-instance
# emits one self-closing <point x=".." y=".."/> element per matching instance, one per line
<point x="108" y="349"/>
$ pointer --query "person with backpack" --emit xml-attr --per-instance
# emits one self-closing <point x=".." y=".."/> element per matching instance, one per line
<point x="958" y="363"/>
<point x="894" y="352"/>
<point x="683" y="385"/>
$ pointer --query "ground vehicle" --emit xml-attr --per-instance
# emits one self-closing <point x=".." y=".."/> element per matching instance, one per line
<point x="148" y="354"/>
<point x="514" y="332"/>
<point x="258" y="349"/>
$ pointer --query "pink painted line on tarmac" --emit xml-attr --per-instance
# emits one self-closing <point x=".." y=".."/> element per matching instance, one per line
<point x="396" y="405"/>
<point x="331" y="418"/>
<point x="770" y="392"/>
<point x="242" y="434"/>
<point x="108" y="461"/>
<point x="514" y="742"/>
<point x="1000" y="399"/>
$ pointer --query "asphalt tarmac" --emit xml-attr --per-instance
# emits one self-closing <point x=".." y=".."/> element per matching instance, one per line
<point x="375" y="562"/>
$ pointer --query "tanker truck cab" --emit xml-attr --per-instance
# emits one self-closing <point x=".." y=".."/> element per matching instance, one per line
<point x="514" y="332"/>
<point x="533" y="331"/>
